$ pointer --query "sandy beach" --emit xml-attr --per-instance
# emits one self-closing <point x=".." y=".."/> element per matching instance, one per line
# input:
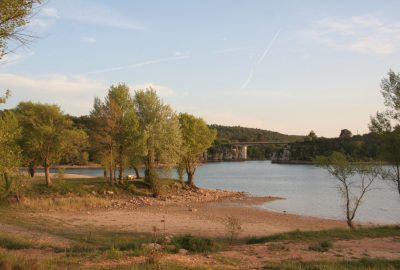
<point x="200" y="218"/>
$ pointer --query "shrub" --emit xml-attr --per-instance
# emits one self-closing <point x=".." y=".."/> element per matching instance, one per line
<point x="193" y="244"/>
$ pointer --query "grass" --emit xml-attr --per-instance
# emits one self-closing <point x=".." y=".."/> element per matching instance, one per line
<point x="363" y="264"/>
<point x="329" y="235"/>
<point x="194" y="244"/>
<point x="322" y="246"/>
<point x="14" y="242"/>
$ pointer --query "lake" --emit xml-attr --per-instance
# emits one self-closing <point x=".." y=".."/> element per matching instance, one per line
<point x="308" y="190"/>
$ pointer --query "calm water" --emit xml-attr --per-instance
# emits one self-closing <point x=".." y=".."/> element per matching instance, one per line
<point x="308" y="190"/>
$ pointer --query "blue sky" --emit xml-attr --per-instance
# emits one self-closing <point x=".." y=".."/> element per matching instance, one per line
<point x="288" y="66"/>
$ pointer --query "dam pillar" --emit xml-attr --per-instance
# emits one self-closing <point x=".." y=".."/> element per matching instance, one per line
<point x="243" y="152"/>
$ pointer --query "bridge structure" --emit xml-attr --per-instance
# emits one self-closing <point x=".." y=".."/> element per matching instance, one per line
<point x="239" y="149"/>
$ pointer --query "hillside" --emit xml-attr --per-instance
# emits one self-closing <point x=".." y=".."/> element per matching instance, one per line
<point x="228" y="134"/>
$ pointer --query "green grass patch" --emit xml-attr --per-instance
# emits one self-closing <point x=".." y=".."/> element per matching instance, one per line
<point x="14" y="242"/>
<point x="363" y="264"/>
<point x="329" y="235"/>
<point x="194" y="244"/>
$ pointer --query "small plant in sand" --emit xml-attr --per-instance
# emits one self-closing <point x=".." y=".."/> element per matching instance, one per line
<point x="322" y="246"/>
<point x="233" y="227"/>
<point x="154" y="250"/>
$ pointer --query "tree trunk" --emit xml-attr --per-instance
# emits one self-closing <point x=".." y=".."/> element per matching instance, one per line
<point x="105" y="173"/>
<point x="190" y="179"/>
<point x="350" y="224"/>
<point x="136" y="172"/>
<point x="47" y="174"/>
<point x="120" y="173"/>
<point x="31" y="170"/>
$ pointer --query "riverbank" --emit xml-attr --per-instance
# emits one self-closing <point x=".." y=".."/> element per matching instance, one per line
<point x="201" y="213"/>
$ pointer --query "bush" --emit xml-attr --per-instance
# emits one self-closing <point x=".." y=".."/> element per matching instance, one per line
<point x="193" y="244"/>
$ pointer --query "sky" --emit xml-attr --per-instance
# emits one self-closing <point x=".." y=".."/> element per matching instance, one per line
<point x="288" y="66"/>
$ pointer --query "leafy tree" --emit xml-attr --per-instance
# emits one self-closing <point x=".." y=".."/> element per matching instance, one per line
<point x="351" y="178"/>
<point x="47" y="134"/>
<point x="5" y="97"/>
<point x="383" y="123"/>
<point x="10" y="153"/>
<point x="197" y="138"/>
<point x="115" y="129"/>
<point x="159" y="126"/>
<point x="345" y="133"/>
<point x="312" y="135"/>
<point x="14" y="15"/>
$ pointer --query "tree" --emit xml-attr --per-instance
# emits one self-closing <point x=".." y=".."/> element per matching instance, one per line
<point x="14" y="15"/>
<point x="312" y="135"/>
<point x="345" y="133"/>
<point x="10" y="153"/>
<point x="197" y="138"/>
<point x="351" y="178"/>
<point x="115" y="129"/>
<point x="383" y="123"/>
<point x="47" y="134"/>
<point x="162" y="140"/>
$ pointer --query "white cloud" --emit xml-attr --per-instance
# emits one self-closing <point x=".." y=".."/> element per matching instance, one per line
<point x="52" y="83"/>
<point x="95" y="13"/>
<point x="14" y="58"/>
<point x="141" y="64"/>
<point x="89" y="40"/>
<point x="49" y="12"/>
<point x="161" y="90"/>
<point x="73" y="93"/>
<point x="41" y="23"/>
<point x="366" y="34"/>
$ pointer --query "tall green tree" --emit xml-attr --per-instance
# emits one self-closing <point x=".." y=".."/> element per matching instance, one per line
<point x="47" y="134"/>
<point x="197" y="138"/>
<point x="116" y="132"/>
<point x="159" y="126"/>
<point x="14" y="15"/>
<point x="387" y="124"/>
<point x="10" y="153"/>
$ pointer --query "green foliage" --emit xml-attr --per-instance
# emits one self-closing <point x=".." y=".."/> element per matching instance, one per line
<point x="197" y="138"/>
<point x="47" y="134"/>
<point x="10" y="153"/>
<point x="159" y="127"/>
<point x="13" y="242"/>
<point x="14" y="16"/>
<point x="329" y="235"/>
<point x="114" y="130"/>
<point x="357" y="148"/>
<point x="193" y="243"/>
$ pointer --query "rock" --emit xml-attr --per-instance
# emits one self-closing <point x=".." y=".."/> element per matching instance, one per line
<point x="109" y="192"/>
<point x="183" y="251"/>
<point x="193" y="210"/>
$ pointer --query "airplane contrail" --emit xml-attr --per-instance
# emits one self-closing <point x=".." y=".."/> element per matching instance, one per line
<point x="265" y="53"/>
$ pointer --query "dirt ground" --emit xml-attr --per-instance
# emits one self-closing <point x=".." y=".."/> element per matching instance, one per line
<point x="202" y="219"/>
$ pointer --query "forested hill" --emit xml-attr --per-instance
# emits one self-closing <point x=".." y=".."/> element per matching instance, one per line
<point x="228" y="134"/>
